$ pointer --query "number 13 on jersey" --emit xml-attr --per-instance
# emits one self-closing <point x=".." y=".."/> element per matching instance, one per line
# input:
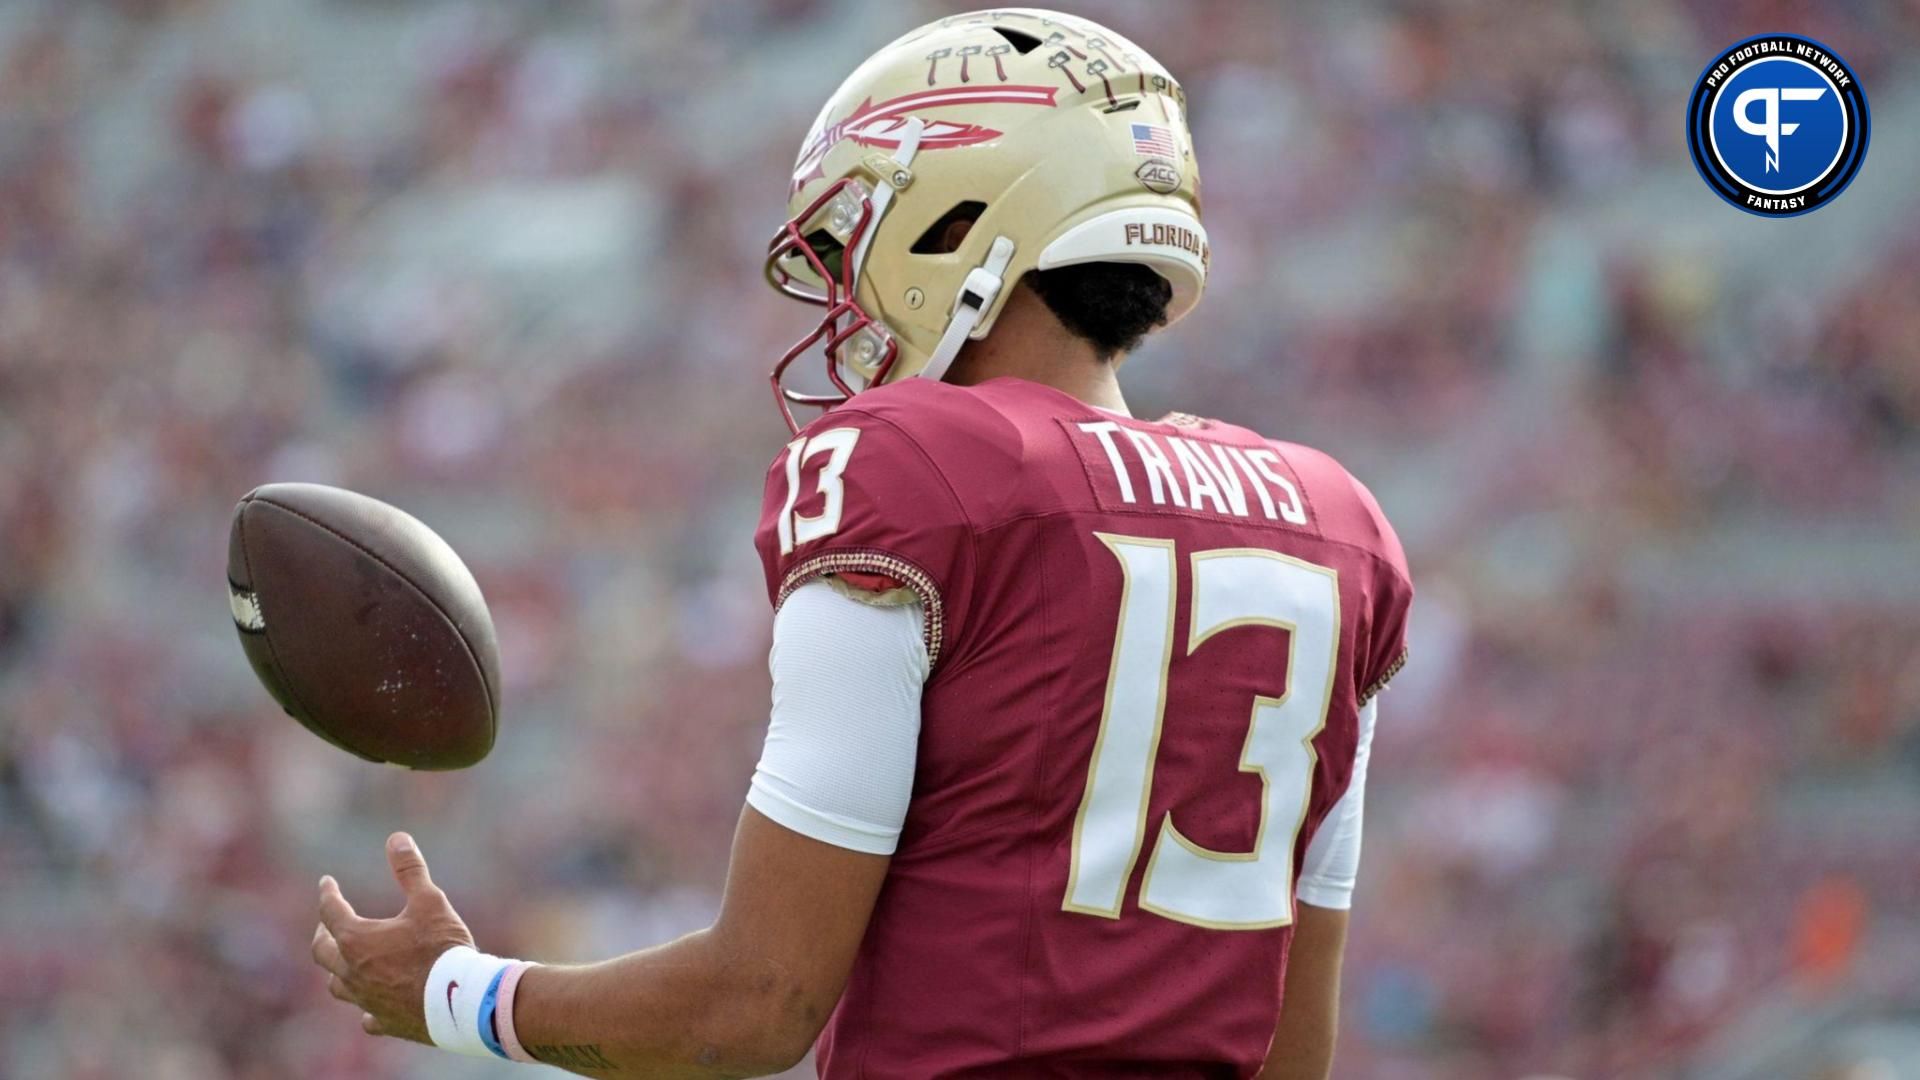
<point x="837" y="444"/>
<point x="1230" y="587"/>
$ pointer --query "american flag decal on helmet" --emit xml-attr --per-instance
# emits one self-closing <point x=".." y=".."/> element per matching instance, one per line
<point x="1152" y="140"/>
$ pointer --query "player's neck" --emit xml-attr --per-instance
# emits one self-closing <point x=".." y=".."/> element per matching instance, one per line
<point x="1027" y="342"/>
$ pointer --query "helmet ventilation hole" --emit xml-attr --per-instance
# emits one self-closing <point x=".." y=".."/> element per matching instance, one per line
<point x="1022" y="43"/>
<point x="932" y="242"/>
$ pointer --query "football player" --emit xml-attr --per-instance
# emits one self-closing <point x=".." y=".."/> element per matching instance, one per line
<point x="1071" y="709"/>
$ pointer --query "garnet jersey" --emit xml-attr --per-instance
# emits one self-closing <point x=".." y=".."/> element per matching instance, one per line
<point x="1148" y="643"/>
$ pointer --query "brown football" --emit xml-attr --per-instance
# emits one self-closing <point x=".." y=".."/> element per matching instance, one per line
<point x="364" y="625"/>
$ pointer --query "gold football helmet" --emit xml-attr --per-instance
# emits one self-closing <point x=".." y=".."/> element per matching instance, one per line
<point x="1065" y="142"/>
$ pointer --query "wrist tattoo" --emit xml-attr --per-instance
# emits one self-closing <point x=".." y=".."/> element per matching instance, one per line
<point x="578" y="1056"/>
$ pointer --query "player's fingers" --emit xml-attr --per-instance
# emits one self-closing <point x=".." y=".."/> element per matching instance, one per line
<point x="371" y="1025"/>
<point x="338" y="988"/>
<point x="409" y="866"/>
<point x="326" y="952"/>
<point x="335" y="913"/>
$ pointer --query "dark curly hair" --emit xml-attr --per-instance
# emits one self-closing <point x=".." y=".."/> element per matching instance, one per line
<point x="1111" y="305"/>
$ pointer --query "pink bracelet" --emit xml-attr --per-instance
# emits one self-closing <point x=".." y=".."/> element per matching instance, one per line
<point x="503" y="1015"/>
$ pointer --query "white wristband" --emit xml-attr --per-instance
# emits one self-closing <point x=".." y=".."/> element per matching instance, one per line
<point x="461" y="982"/>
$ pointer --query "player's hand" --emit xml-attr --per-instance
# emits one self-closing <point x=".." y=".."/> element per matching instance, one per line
<point x="381" y="965"/>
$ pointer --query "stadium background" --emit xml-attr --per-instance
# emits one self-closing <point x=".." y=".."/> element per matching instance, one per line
<point x="1645" y="802"/>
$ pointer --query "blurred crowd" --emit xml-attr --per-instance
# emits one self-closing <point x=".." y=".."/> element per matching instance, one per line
<point x="1648" y="783"/>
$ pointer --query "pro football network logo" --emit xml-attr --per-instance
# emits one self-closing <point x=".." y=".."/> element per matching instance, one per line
<point x="1778" y="125"/>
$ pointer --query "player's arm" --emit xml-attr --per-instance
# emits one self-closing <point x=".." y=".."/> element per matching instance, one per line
<point x="745" y="996"/>
<point x="1309" y="1024"/>
<point x="1310" y="1015"/>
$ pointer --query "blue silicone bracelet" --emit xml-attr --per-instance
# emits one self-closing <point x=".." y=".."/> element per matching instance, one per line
<point x="487" y="1001"/>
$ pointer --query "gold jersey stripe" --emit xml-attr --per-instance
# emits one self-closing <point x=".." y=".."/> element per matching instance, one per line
<point x="1380" y="683"/>
<point x="871" y="562"/>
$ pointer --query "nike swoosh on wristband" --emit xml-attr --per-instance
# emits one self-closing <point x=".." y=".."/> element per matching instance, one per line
<point x="453" y="985"/>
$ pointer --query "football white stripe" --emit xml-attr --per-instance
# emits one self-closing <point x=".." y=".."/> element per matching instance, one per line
<point x="246" y="609"/>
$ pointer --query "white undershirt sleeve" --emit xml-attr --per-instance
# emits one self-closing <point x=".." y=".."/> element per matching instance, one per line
<point x="838" y="761"/>
<point x="1332" y="861"/>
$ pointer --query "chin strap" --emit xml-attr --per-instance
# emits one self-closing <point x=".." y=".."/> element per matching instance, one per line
<point x="884" y="191"/>
<point x="977" y="294"/>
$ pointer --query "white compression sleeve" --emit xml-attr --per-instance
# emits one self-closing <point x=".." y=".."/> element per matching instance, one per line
<point x="1332" y="862"/>
<point x="839" y="757"/>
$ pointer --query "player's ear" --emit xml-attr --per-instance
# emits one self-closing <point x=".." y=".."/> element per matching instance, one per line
<point x="955" y="232"/>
